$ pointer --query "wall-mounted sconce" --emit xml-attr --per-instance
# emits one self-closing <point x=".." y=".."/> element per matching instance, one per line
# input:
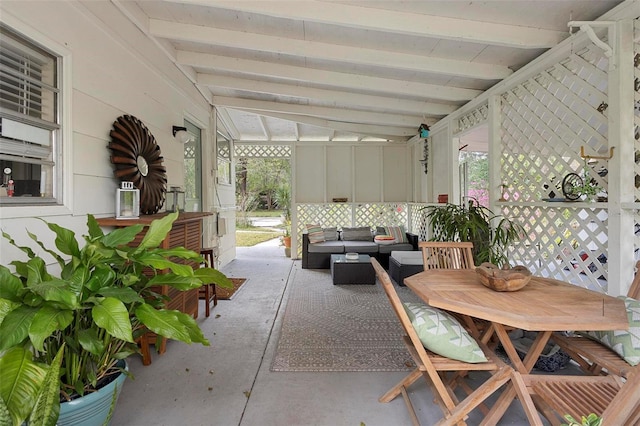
<point x="181" y="134"/>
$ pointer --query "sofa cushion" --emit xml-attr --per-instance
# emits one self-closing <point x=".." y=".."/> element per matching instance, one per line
<point x="316" y="234"/>
<point x="384" y="240"/>
<point x="361" y="247"/>
<point x="395" y="247"/>
<point x="362" y="233"/>
<point x="333" y="247"/>
<point x="397" y="232"/>
<point x="330" y="234"/>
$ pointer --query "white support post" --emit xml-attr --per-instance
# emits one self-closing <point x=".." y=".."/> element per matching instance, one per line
<point x="495" y="157"/>
<point x="621" y="166"/>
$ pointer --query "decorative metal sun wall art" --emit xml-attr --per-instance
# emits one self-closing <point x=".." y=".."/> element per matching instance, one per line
<point x="136" y="157"/>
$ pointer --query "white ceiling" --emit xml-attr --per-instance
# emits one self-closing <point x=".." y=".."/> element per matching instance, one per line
<point x="350" y="70"/>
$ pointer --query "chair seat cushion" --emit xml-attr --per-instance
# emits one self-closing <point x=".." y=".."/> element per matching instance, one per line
<point x="397" y="247"/>
<point x="327" y="247"/>
<point x="361" y="247"/>
<point x="625" y="343"/>
<point x="407" y="257"/>
<point x="442" y="334"/>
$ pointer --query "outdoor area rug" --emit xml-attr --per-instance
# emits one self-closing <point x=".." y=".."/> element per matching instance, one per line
<point x="330" y="327"/>
<point x="228" y="293"/>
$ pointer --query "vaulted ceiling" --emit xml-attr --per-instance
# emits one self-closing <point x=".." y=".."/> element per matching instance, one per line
<point x="350" y="70"/>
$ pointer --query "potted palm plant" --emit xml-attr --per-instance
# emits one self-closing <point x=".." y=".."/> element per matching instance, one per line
<point x="63" y="336"/>
<point x="473" y="222"/>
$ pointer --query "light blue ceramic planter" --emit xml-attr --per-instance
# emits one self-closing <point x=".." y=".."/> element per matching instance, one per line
<point x="92" y="409"/>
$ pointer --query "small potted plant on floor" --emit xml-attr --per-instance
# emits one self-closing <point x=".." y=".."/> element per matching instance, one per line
<point x="84" y="321"/>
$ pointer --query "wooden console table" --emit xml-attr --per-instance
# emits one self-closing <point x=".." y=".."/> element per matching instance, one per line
<point x="186" y="232"/>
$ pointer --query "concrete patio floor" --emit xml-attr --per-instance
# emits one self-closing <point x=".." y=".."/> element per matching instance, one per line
<point x="229" y="383"/>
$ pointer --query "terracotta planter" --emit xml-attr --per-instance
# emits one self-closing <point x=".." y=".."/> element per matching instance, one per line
<point x="93" y="409"/>
<point x="286" y="241"/>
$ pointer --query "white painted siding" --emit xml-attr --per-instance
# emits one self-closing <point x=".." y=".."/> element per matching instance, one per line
<point x="111" y="73"/>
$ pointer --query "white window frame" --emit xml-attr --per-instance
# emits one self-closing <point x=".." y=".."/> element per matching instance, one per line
<point x="64" y="152"/>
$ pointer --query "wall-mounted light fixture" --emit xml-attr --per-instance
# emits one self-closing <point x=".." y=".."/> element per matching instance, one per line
<point x="182" y="135"/>
<point x="424" y="130"/>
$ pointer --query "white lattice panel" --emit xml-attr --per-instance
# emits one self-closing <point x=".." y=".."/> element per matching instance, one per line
<point x="563" y="243"/>
<point x="262" y="151"/>
<point x="546" y="122"/>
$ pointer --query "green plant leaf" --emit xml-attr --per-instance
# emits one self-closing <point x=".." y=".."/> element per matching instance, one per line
<point x="213" y="276"/>
<point x="121" y="236"/>
<point x="35" y="271"/>
<point x="25" y="249"/>
<point x="47" y="320"/>
<point x="94" y="229"/>
<point x="90" y="341"/>
<point x="15" y="327"/>
<point x="21" y="381"/>
<point x="124" y="294"/>
<point x="53" y="254"/>
<point x="180" y="252"/>
<point x="164" y="322"/>
<point x="47" y="406"/>
<point x="158" y="262"/>
<point x="11" y="285"/>
<point x="112" y="315"/>
<point x="56" y="290"/>
<point x="65" y="239"/>
<point x="176" y="281"/>
<point x="5" y="417"/>
<point x="102" y="277"/>
<point x="157" y="232"/>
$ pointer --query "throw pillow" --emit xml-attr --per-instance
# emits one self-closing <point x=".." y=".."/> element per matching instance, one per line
<point x="316" y="235"/>
<point x="330" y="234"/>
<point x="362" y="233"/>
<point x="442" y="334"/>
<point x="384" y="239"/>
<point x="397" y="232"/>
<point x="625" y="343"/>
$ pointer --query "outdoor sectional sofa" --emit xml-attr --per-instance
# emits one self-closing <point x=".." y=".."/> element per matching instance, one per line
<point x="359" y="240"/>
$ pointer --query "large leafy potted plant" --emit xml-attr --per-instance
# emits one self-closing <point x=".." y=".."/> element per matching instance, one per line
<point x="490" y="234"/>
<point x="84" y="320"/>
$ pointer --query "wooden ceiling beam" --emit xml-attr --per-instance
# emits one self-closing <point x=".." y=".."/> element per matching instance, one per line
<point x="387" y="104"/>
<point x="326" y="51"/>
<point x="332" y="79"/>
<point x="415" y="24"/>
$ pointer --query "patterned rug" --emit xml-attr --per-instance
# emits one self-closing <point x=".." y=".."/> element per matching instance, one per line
<point x="339" y="328"/>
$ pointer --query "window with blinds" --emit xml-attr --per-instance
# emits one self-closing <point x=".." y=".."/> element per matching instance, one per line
<point x="29" y="121"/>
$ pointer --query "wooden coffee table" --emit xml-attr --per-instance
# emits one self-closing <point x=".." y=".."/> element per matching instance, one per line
<point x="357" y="271"/>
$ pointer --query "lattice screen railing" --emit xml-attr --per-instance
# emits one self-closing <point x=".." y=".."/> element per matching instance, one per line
<point x="261" y="151"/>
<point x="564" y="243"/>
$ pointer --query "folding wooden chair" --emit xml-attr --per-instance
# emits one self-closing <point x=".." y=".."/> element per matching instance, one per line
<point x="617" y="402"/>
<point x="447" y="254"/>
<point x="593" y="357"/>
<point x="451" y="255"/>
<point x="433" y="368"/>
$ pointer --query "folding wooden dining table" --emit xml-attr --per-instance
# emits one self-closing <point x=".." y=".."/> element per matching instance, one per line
<point x="544" y="305"/>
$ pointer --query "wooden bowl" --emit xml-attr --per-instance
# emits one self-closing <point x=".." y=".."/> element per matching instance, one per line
<point x="503" y="279"/>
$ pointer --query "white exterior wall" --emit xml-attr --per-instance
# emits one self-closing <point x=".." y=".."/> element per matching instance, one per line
<point x="361" y="173"/>
<point x="107" y="74"/>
